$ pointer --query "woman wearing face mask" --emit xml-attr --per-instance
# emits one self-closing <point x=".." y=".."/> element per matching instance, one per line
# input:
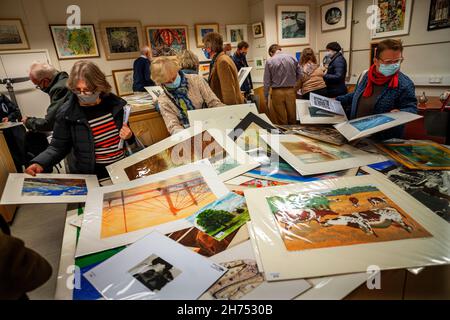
<point x="383" y="88"/>
<point x="90" y="124"/>
<point x="182" y="92"/>
<point x="336" y="71"/>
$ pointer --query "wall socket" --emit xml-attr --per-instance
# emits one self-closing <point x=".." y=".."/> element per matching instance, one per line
<point x="435" y="79"/>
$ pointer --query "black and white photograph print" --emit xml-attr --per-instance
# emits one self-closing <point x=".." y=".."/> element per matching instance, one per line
<point x="154" y="273"/>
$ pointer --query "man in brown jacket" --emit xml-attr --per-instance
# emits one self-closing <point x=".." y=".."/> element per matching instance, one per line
<point x="21" y="269"/>
<point x="223" y="77"/>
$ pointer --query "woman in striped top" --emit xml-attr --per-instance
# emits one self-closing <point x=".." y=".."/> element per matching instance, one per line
<point x="90" y="124"/>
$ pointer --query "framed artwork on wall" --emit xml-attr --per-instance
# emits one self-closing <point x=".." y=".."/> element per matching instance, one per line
<point x="202" y="30"/>
<point x="121" y="40"/>
<point x="439" y="17"/>
<point x="236" y="33"/>
<point x="333" y="16"/>
<point x="75" y="43"/>
<point x="394" y="18"/>
<point x="12" y="35"/>
<point x="123" y="81"/>
<point x="167" y="40"/>
<point x="293" y="25"/>
<point x="259" y="63"/>
<point x="258" y="30"/>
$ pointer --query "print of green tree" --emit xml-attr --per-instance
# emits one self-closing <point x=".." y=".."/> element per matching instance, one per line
<point x="211" y="220"/>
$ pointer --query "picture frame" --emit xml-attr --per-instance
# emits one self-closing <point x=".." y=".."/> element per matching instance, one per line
<point x="436" y="18"/>
<point x="392" y="23"/>
<point x="123" y="82"/>
<point x="259" y="63"/>
<point x="157" y="39"/>
<point x="333" y="16"/>
<point x="236" y="33"/>
<point x="307" y="114"/>
<point x="47" y="188"/>
<point x="258" y="30"/>
<point x="12" y="35"/>
<point x="293" y="25"/>
<point x="67" y="43"/>
<point x="155" y="92"/>
<point x="201" y="30"/>
<point x="182" y="148"/>
<point x="102" y="231"/>
<point x="154" y="268"/>
<point x="423" y="247"/>
<point x="243" y="75"/>
<point x="121" y="39"/>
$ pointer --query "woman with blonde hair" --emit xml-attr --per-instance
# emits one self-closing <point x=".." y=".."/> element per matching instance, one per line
<point x="90" y="124"/>
<point x="181" y="93"/>
<point x="189" y="62"/>
<point x="312" y="75"/>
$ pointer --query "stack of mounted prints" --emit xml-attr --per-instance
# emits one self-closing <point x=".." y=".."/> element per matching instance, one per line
<point x="318" y="132"/>
<point x="308" y="114"/>
<point x="349" y="222"/>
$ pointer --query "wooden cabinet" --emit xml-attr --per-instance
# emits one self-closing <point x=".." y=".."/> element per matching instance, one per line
<point x="6" y="166"/>
<point x="148" y="126"/>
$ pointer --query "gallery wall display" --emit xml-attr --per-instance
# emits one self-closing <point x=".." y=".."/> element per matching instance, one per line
<point x="394" y="18"/>
<point x="167" y="40"/>
<point x="258" y="30"/>
<point x="259" y="63"/>
<point x="121" y="40"/>
<point x="236" y="33"/>
<point x="333" y="16"/>
<point x="12" y="35"/>
<point x="123" y="81"/>
<point x="202" y="30"/>
<point x="293" y="25"/>
<point x="75" y="43"/>
<point x="439" y="17"/>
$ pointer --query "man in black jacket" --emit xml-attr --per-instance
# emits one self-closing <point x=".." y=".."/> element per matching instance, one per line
<point x="141" y="71"/>
<point x="53" y="83"/>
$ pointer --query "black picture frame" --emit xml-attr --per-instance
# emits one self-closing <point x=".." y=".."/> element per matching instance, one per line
<point x="441" y="25"/>
<point x="247" y="121"/>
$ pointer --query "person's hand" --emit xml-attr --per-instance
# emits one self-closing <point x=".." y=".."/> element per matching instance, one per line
<point x="125" y="132"/>
<point x="34" y="169"/>
<point x="24" y="119"/>
<point x="5" y="119"/>
<point x="395" y="110"/>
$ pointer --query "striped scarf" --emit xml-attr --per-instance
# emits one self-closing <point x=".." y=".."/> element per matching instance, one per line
<point x="180" y="98"/>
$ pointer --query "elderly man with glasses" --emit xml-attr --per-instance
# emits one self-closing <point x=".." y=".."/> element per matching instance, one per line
<point x="384" y="88"/>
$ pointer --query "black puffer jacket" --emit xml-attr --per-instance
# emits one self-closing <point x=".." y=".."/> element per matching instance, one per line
<point x="335" y="76"/>
<point x="72" y="131"/>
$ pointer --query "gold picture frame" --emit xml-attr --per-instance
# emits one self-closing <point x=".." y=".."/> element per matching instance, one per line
<point x="121" y="39"/>
<point x="12" y="35"/>
<point x="202" y="29"/>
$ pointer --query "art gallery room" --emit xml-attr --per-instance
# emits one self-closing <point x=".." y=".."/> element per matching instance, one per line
<point x="201" y="150"/>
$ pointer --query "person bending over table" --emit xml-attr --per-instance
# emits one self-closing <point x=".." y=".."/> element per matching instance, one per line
<point x="384" y="88"/>
<point x="182" y="92"/>
<point x="90" y="125"/>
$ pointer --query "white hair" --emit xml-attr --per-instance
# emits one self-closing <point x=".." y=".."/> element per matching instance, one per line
<point x="145" y="50"/>
<point x="40" y="71"/>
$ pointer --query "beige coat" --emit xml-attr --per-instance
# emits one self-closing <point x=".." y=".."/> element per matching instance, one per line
<point x="312" y="79"/>
<point x="224" y="81"/>
<point x="198" y="92"/>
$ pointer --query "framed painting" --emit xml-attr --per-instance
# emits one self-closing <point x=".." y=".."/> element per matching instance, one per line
<point x="343" y="221"/>
<point x="187" y="146"/>
<point x="334" y="16"/>
<point x="167" y="40"/>
<point x="12" y="35"/>
<point x="236" y="33"/>
<point x="439" y="17"/>
<point x="419" y="155"/>
<point x="393" y="18"/>
<point x="202" y="30"/>
<point x="293" y="25"/>
<point x="121" y="40"/>
<point x="259" y="63"/>
<point x="123" y="81"/>
<point x="47" y="188"/>
<point x="121" y="214"/>
<point x="76" y="43"/>
<point x="258" y="30"/>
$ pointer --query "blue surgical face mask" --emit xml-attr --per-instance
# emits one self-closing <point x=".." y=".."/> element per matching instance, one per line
<point x="174" y="84"/>
<point x="389" y="69"/>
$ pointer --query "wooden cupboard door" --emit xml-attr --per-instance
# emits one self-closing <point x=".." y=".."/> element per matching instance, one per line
<point x="6" y="166"/>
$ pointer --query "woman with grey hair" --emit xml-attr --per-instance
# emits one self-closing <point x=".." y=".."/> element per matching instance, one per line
<point x="90" y="124"/>
<point x="181" y="93"/>
<point x="189" y="62"/>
